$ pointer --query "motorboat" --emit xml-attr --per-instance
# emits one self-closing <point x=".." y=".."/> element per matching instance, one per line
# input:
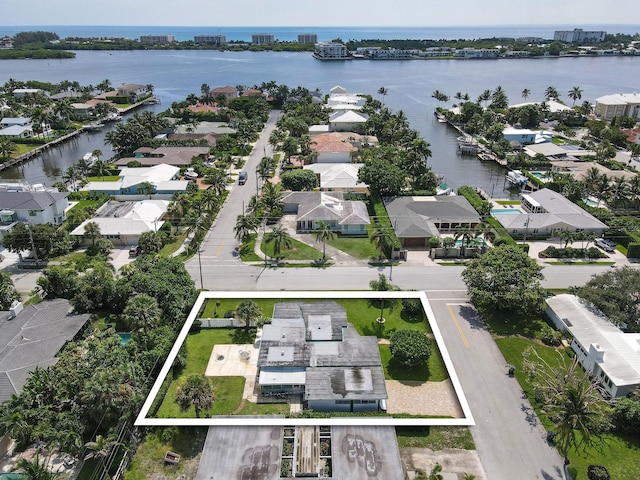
<point x="517" y="178"/>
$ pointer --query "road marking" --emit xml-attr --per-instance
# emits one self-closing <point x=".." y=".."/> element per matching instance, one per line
<point x="219" y="249"/>
<point x="458" y="327"/>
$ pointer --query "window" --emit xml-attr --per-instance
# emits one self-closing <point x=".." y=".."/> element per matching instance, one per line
<point x="33" y="213"/>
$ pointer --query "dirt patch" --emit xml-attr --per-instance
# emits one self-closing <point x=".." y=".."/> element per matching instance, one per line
<point x="423" y="398"/>
<point x="453" y="461"/>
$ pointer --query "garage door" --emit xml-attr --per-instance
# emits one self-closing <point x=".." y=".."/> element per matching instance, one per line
<point x="413" y="242"/>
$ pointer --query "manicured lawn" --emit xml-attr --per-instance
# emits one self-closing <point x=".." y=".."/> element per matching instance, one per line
<point x="22" y="148"/>
<point x="435" y="438"/>
<point x="297" y="251"/>
<point x="363" y="314"/>
<point x="504" y="324"/>
<point x="265" y="304"/>
<point x="359" y="247"/>
<point x="107" y="178"/>
<point x="433" y="371"/>
<point x="618" y="453"/>
<point x="247" y="254"/>
<point x="508" y="202"/>
<point x="170" y="248"/>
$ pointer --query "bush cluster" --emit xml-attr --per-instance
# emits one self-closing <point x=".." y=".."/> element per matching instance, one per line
<point x="554" y="252"/>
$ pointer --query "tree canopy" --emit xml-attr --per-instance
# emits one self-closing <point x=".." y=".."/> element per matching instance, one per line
<point x="411" y="348"/>
<point x="505" y="279"/>
<point x="615" y="293"/>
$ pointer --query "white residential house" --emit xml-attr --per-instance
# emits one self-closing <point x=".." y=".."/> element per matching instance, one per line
<point x="607" y="353"/>
<point x="347" y="120"/>
<point x="132" y="91"/>
<point x="162" y="177"/>
<point x="122" y="223"/>
<point x="22" y="92"/>
<point x="31" y="207"/>
<point x="338" y="177"/>
<point x="347" y="217"/>
<point x="546" y="213"/>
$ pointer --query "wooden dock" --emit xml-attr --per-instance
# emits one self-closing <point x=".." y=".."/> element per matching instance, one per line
<point x="38" y="150"/>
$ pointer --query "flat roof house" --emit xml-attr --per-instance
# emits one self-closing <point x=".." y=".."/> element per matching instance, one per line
<point x="312" y="350"/>
<point x="603" y="350"/>
<point x="161" y="177"/>
<point x="338" y="177"/>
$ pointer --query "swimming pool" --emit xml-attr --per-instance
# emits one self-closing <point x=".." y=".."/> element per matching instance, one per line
<point x="124" y="338"/>
<point x="506" y="211"/>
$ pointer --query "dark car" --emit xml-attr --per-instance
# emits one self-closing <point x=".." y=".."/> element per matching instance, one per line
<point x="242" y="178"/>
<point x="134" y="251"/>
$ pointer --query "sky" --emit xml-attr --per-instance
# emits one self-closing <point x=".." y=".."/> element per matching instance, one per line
<point x="309" y="13"/>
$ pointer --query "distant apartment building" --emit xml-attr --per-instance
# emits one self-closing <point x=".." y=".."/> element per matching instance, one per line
<point x="157" y="39"/>
<point x="577" y="35"/>
<point x="262" y="38"/>
<point x="210" y="39"/>
<point x="330" y="51"/>
<point x="307" y="38"/>
<point x="478" y="53"/>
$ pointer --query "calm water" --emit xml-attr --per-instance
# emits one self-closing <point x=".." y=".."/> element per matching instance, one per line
<point x="410" y="84"/>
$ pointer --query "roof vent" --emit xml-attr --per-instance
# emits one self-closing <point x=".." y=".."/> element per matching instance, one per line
<point x="282" y="353"/>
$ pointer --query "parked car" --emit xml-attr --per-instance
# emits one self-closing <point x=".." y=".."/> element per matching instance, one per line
<point x="135" y="250"/>
<point x="606" y="245"/>
<point x="242" y="178"/>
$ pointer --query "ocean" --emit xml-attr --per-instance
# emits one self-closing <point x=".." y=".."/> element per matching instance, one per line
<point x="183" y="33"/>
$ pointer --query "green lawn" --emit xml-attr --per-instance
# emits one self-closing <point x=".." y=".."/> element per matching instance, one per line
<point x="508" y="202"/>
<point x="618" y="453"/>
<point x="172" y="247"/>
<point x="106" y="178"/>
<point x="363" y="314"/>
<point x="22" y="148"/>
<point x="297" y="251"/>
<point x="433" y="371"/>
<point x="210" y="309"/>
<point x="358" y="247"/>
<point x="435" y="438"/>
<point x="248" y="254"/>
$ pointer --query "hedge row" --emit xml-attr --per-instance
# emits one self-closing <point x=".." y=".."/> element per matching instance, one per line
<point x="382" y="221"/>
<point x="483" y="207"/>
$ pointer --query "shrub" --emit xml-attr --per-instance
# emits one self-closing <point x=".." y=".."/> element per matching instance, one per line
<point x="411" y="306"/>
<point x="633" y="250"/>
<point x="597" y="472"/>
<point x="411" y="348"/>
<point x="500" y="241"/>
<point x="482" y="206"/>
<point x="626" y="416"/>
<point x="434" y="242"/>
<point x="550" y="336"/>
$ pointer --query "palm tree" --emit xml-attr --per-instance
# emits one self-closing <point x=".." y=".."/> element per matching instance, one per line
<point x="92" y="230"/>
<point x="245" y="226"/>
<point x="145" y="188"/>
<point x="195" y="391"/>
<point x="379" y="238"/>
<point x="100" y="167"/>
<point x="383" y="285"/>
<point x="485" y="96"/>
<point x="37" y="469"/>
<point x="100" y="448"/>
<point x="323" y="233"/>
<point x="551" y="93"/>
<point x="525" y="93"/>
<point x="383" y="91"/>
<point x="280" y="238"/>
<point x="248" y="311"/>
<point x="7" y="148"/>
<point x="575" y="94"/>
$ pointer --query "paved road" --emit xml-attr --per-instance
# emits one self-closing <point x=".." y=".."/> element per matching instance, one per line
<point x="509" y="438"/>
<point x="228" y="273"/>
<point x="216" y="251"/>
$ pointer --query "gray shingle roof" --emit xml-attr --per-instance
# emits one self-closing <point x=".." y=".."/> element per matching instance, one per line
<point x="33" y="339"/>
<point x="29" y="200"/>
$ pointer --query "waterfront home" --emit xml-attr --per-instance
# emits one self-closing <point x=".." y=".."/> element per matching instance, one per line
<point x="347" y="217"/>
<point x="339" y="99"/>
<point x="337" y="147"/>
<point x="330" y="51"/>
<point x="310" y="349"/>
<point x="132" y="183"/>
<point x="81" y="111"/>
<point x="347" y="120"/>
<point x="228" y="92"/>
<point x="416" y="219"/>
<point x="553" y="152"/>
<point x="526" y="136"/>
<point x="176" y="156"/>
<point x="546" y="213"/>
<point x="132" y="91"/>
<point x="618" y="105"/>
<point x="122" y="223"/>
<point x="31" y="207"/>
<point x="23" y="92"/>
<point x="608" y="354"/>
<point x="338" y="177"/>
<point x="477" y="52"/>
<point x="16" y="127"/>
<point x="206" y="128"/>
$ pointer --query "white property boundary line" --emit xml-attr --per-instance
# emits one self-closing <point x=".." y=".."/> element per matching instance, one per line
<point x="241" y="420"/>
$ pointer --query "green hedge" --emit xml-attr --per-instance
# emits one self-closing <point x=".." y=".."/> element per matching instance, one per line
<point x="482" y="206"/>
<point x="502" y="233"/>
<point x="382" y="220"/>
<point x="633" y="250"/>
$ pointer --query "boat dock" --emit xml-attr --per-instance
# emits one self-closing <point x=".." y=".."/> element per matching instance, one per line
<point x="36" y="151"/>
